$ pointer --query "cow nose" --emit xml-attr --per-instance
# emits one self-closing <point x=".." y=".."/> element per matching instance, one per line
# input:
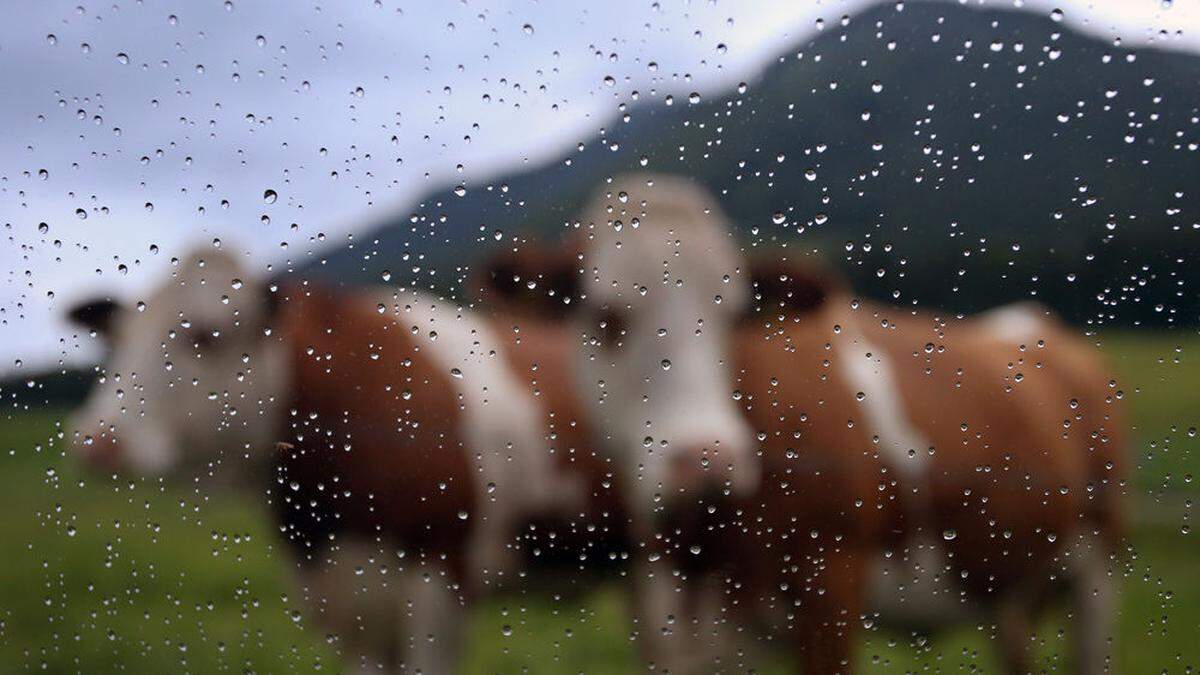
<point x="690" y="470"/>
<point x="101" y="451"/>
<point x="700" y="469"/>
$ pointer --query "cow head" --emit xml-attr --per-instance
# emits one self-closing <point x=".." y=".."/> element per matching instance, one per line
<point x="193" y="372"/>
<point x="653" y="287"/>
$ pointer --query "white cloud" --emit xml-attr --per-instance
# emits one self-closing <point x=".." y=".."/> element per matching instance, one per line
<point x="221" y="116"/>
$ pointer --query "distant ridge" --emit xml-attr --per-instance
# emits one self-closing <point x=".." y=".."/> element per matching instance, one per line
<point x="949" y="155"/>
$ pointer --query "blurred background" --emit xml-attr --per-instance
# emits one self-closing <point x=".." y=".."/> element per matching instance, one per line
<point x="950" y="154"/>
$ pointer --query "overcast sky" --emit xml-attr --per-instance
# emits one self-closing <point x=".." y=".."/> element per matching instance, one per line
<point x="131" y="131"/>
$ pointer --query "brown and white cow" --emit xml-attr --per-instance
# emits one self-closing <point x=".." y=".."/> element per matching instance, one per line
<point x="907" y="466"/>
<point x="657" y="294"/>
<point x="403" y="441"/>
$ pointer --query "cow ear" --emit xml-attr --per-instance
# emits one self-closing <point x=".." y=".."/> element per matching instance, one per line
<point x="272" y="300"/>
<point x="540" y="280"/>
<point x="95" y="315"/>
<point x="786" y="287"/>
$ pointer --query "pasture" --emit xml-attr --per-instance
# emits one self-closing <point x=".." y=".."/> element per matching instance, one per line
<point x="112" y="574"/>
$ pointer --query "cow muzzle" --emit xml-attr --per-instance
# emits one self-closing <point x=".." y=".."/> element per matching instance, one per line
<point x="101" y="451"/>
<point x="701" y="471"/>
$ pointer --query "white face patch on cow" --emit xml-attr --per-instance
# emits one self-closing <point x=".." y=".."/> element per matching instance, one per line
<point x="191" y="377"/>
<point x="502" y="425"/>
<point x="661" y="298"/>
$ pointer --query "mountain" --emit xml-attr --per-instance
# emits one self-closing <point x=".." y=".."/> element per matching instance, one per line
<point x="949" y="155"/>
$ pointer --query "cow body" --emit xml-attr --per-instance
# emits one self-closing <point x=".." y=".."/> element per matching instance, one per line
<point x="408" y="441"/>
<point x="958" y="499"/>
<point x="952" y="473"/>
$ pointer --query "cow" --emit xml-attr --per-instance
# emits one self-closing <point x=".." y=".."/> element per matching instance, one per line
<point x="838" y="461"/>
<point x="656" y="296"/>
<point x="410" y="448"/>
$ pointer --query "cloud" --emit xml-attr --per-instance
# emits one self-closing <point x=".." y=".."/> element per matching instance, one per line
<point x="164" y="124"/>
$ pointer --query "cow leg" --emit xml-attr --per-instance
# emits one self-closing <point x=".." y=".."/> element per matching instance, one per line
<point x="1093" y="599"/>
<point x="432" y="622"/>
<point x="349" y="600"/>
<point x="827" y="612"/>
<point x="668" y="640"/>
<point x="714" y="644"/>
<point x="656" y="603"/>
<point x="491" y="558"/>
<point x="1014" y="612"/>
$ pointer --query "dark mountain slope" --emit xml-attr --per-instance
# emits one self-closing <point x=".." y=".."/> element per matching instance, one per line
<point x="941" y="153"/>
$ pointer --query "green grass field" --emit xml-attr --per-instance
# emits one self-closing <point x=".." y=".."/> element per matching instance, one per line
<point x="106" y="576"/>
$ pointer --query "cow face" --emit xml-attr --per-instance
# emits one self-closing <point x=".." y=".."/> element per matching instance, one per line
<point x="193" y="373"/>
<point x="655" y="292"/>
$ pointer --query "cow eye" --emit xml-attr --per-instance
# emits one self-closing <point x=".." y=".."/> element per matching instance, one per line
<point x="612" y="325"/>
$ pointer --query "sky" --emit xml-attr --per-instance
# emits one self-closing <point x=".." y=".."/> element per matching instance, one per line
<point x="133" y="131"/>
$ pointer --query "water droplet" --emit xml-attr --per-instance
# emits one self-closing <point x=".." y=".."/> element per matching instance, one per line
<point x="270" y="196"/>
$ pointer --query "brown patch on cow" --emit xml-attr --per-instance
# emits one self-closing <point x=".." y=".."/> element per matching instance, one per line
<point x="373" y="424"/>
<point x="1094" y="415"/>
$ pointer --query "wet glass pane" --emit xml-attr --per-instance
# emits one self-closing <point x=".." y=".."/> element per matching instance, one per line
<point x="483" y="337"/>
